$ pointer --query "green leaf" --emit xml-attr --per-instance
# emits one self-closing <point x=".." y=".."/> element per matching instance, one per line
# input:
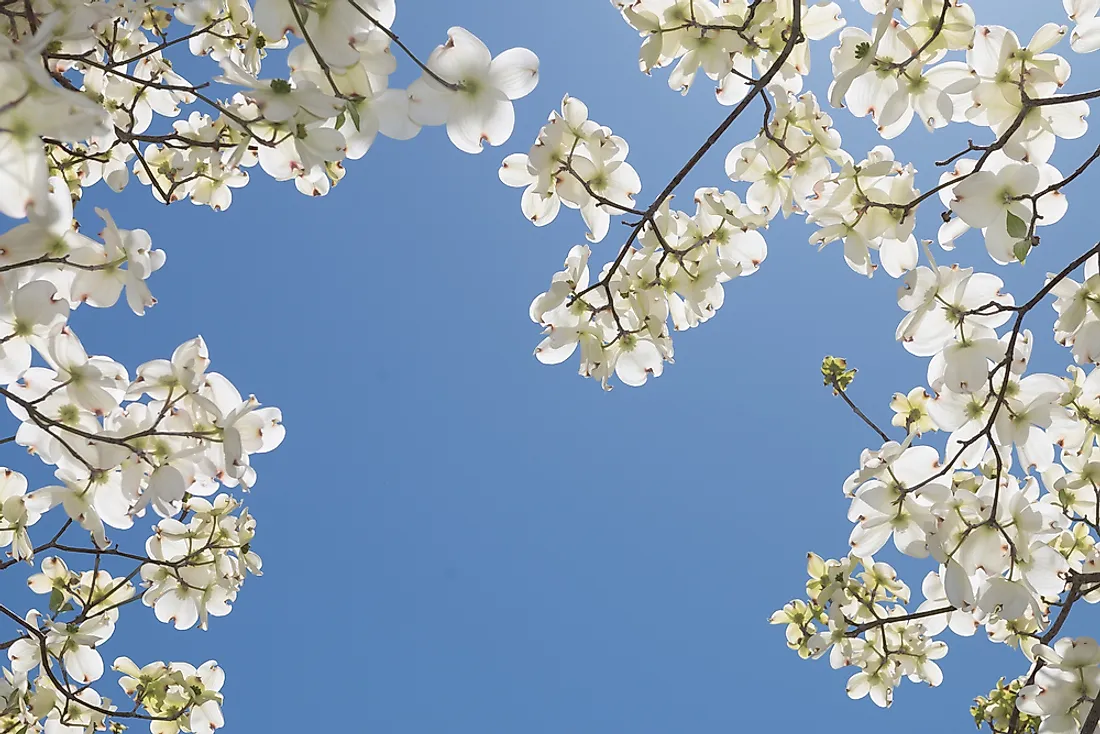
<point x="1016" y="227"/>
<point x="353" y="110"/>
<point x="340" y="119"/>
<point x="57" y="600"/>
<point x="1021" y="249"/>
<point x="835" y="373"/>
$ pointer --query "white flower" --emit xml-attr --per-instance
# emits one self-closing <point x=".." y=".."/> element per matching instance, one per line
<point x="18" y="511"/>
<point x="476" y="107"/>
<point x="33" y="314"/>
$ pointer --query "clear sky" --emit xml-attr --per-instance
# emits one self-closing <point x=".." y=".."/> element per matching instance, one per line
<point x="458" y="539"/>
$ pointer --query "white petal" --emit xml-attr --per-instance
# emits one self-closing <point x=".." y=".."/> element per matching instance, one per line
<point x="515" y="72"/>
<point x="428" y="104"/>
<point x="463" y="55"/>
<point x="898" y="257"/>
<point x="486" y="120"/>
<point x="23" y="174"/>
<point x="957" y="586"/>
<point x="392" y="109"/>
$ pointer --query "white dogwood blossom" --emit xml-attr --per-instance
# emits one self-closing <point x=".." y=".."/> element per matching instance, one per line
<point x="471" y="92"/>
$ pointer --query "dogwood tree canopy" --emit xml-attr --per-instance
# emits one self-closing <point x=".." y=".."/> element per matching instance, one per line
<point x="1005" y="506"/>
<point x="986" y="474"/>
<point x="89" y="97"/>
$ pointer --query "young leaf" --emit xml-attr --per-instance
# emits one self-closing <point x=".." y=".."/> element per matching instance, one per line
<point x="1017" y="227"/>
<point x="1021" y="249"/>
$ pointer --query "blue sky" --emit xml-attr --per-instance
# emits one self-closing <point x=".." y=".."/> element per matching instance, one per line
<point x="458" y="539"/>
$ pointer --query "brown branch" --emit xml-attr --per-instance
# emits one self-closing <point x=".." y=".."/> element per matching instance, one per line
<point x="931" y="39"/>
<point x="1021" y="312"/>
<point x="393" y="37"/>
<point x="66" y="690"/>
<point x="325" y="68"/>
<point x="794" y="38"/>
<point x="39" y="549"/>
<point x="837" y="389"/>
<point x="1076" y="581"/>
<point x="166" y="44"/>
<point x="1092" y="723"/>
<point x="882" y="621"/>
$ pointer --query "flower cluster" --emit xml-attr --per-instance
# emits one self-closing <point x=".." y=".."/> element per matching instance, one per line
<point x="91" y="92"/>
<point x="999" y="707"/>
<point x="993" y="478"/>
<point x="728" y="40"/>
<point x="182" y="697"/>
<point x="903" y="68"/>
<point x="196" y="568"/>
<point x="883" y="73"/>
<point x="103" y="91"/>
<point x="867" y="206"/>
<point x="1006" y="505"/>
<point x="862" y="624"/>
<point x="1066" y="687"/>
<point x="120" y="109"/>
<point x="1086" y="35"/>
<point x="676" y="273"/>
<point x="118" y="461"/>
<point x="1007" y="546"/>
<point x="784" y="163"/>
<point x="576" y="162"/>
<point x="1078" y="324"/>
